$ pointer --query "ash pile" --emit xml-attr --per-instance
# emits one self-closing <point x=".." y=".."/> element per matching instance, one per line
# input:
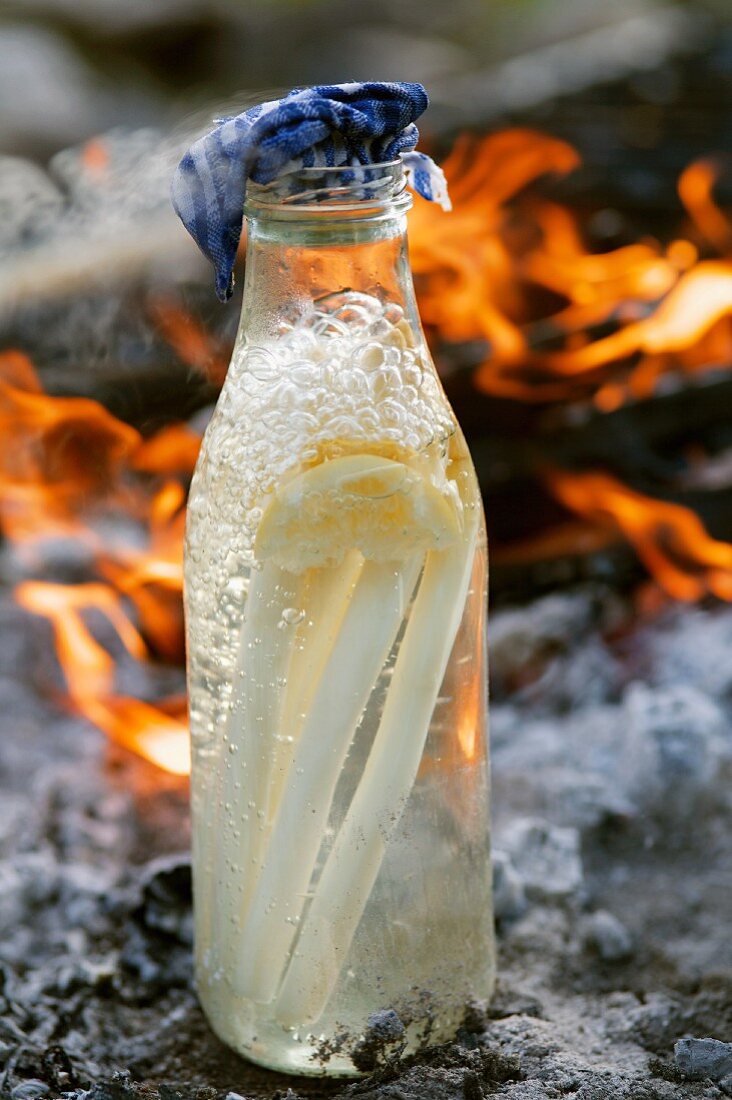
<point x="613" y="882"/>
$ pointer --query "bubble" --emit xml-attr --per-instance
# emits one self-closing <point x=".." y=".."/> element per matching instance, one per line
<point x="293" y="615"/>
<point x="325" y="326"/>
<point x="381" y="328"/>
<point x="354" y="316"/>
<point x="393" y="313"/>
<point x="369" y="357"/>
<point x="262" y="365"/>
<point x="304" y="422"/>
<point x="341" y="301"/>
<point x="271" y="418"/>
<point x="346" y="427"/>
<point x="393" y="412"/>
<point x="355" y="382"/>
<point x="385" y="382"/>
<point x="413" y="375"/>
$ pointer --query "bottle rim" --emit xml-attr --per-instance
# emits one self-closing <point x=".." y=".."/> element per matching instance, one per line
<point x="356" y="190"/>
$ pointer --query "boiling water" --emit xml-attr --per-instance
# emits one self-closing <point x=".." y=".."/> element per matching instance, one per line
<point x="292" y="662"/>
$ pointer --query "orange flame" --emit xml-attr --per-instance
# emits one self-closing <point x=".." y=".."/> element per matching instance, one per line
<point x="89" y="671"/>
<point x="696" y="184"/>
<point x="701" y="298"/>
<point x="483" y="272"/>
<point x="66" y="463"/>
<point x="59" y="454"/>
<point x="189" y="338"/>
<point x="670" y="539"/>
<point x="153" y="577"/>
<point x="464" y="267"/>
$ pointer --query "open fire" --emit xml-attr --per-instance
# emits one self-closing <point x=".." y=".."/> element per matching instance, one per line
<point x="71" y="471"/>
<point x="561" y="325"/>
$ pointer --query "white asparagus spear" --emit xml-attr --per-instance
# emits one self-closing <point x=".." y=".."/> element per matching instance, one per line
<point x="325" y="599"/>
<point x="203" y="803"/>
<point x="261" y="669"/>
<point x="266" y="725"/>
<point x="350" y="871"/>
<point x="369" y="630"/>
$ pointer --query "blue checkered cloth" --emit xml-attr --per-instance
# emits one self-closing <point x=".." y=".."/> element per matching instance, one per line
<point x="331" y="125"/>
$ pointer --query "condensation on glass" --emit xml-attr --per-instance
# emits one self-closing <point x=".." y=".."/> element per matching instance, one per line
<point x="335" y="602"/>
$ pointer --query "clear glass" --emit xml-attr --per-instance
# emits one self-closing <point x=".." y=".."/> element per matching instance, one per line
<point x="335" y="586"/>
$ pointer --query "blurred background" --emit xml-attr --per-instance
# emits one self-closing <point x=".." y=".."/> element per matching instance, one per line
<point x="74" y="68"/>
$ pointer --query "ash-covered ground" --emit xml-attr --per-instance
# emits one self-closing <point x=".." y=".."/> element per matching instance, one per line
<point x="611" y="755"/>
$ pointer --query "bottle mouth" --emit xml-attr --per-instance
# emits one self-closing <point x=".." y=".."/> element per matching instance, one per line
<point x="350" y="189"/>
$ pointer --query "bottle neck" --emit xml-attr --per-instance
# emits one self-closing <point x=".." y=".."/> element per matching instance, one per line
<point x="324" y="232"/>
<point x="330" y="347"/>
<point x="294" y="263"/>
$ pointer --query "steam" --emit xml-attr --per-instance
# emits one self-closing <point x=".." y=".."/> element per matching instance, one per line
<point x="101" y="214"/>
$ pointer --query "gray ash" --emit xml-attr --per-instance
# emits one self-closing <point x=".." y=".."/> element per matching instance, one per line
<point x="452" y="1071"/>
<point x="383" y="1040"/>
<point x="618" y="948"/>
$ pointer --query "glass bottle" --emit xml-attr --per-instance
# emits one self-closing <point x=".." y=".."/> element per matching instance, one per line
<point x="335" y="586"/>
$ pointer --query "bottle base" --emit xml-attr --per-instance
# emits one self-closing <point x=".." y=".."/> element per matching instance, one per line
<point x="299" y="1067"/>
<point x="287" y="1054"/>
<point x="341" y="1051"/>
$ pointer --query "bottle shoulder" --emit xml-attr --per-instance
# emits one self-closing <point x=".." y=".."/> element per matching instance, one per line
<point x="292" y="396"/>
<point x="354" y="377"/>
